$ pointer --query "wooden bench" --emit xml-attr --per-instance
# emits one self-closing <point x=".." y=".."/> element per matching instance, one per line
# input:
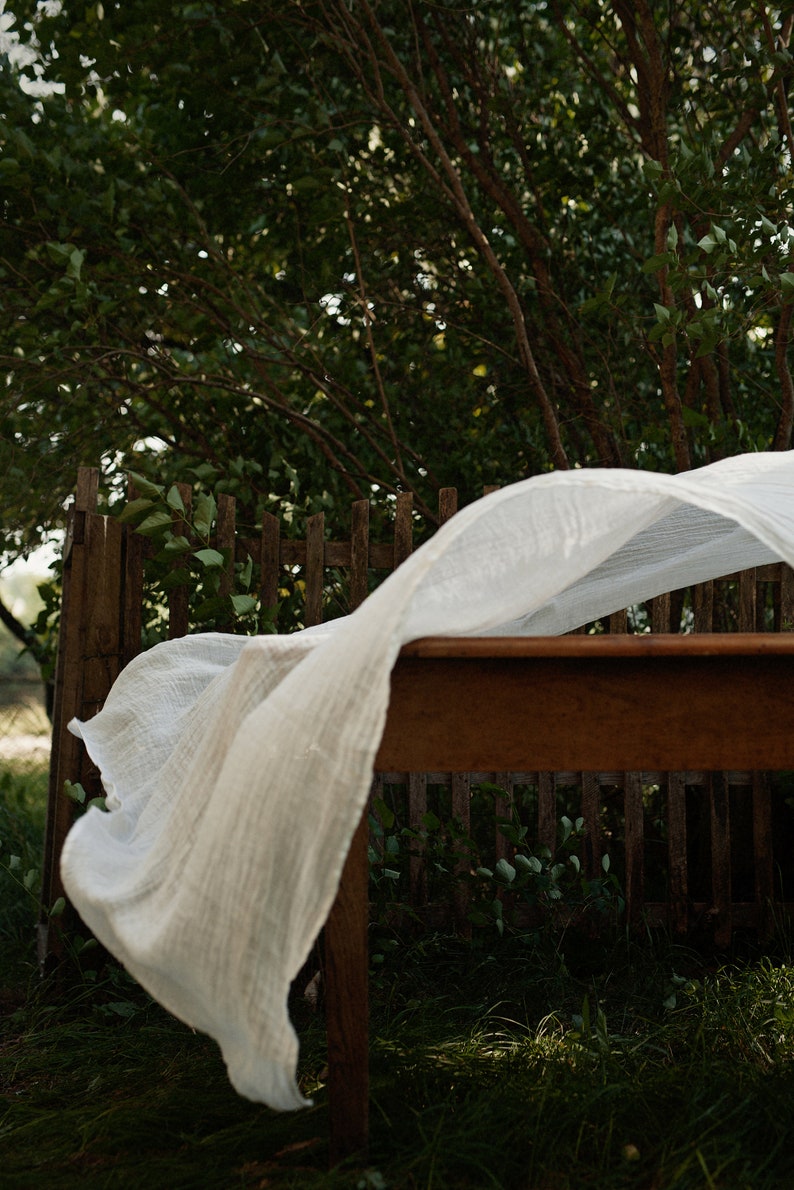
<point x="579" y="702"/>
<point x="614" y="703"/>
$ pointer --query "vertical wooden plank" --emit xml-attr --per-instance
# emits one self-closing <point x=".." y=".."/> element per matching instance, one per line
<point x="88" y="661"/>
<point x="503" y="809"/>
<point x="635" y="848"/>
<point x="547" y="811"/>
<point x="447" y="504"/>
<point x="747" y="601"/>
<point x="133" y="546"/>
<point x="359" y="553"/>
<point x="315" y="572"/>
<point x="618" y="623"/>
<point x="87" y="490"/>
<point x="269" y="563"/>
<point x="64" y="755"/>
<point x="417" y="808"/>
<point x="763" y="853"/>
<point x="102" y="603"/>
<point x="786" y="599"/>
<point x="347" y="1004"/>
<point x="375" y="793"/>
<point x="678" y="884"/>
<point x="225" y="531"/>
<point x="719" y="800"/>
<point x="461" y="813"/>
<point x="592" y="846"/>
<point x="179" y="597"/>
<point x="703" y="607"/>
<point x="403" y="527"/>
<point x="660" y="613"/>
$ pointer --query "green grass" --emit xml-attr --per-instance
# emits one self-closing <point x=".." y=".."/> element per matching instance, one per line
<point x="545" y="1065"/>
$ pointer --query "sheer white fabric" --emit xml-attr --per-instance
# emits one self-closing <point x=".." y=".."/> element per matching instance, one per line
<point x="236" y="769"/>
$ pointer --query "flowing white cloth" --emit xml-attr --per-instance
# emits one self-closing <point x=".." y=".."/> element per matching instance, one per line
<point x="236" y="769"/>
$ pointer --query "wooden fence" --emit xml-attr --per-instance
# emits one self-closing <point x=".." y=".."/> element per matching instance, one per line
<point x="698" y="852"/>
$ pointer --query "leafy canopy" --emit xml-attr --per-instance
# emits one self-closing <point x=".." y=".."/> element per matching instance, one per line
<point x="303" y="249"/>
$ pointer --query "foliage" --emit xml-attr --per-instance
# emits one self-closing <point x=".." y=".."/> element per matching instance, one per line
<point x="550" y="881"/>
<point x="553" y="886"/>
<point x="217" y="586"/>
<point x="339" y="245"/>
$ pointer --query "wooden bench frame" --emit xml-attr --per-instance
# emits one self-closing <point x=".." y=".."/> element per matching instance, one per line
<point x="709" y="702"/>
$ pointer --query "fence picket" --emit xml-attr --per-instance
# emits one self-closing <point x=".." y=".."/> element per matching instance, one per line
<point x="703" y="607"/>
<point x="763" y="860"/>
<point x="314" y="573"/>
<point x="677" y="867"/>
<point x="719" y="804"/>
<point x="634" y="837"/>
<point x="547" y="811"/>
<point x="269" y="561"/>
<point x="403" y="527"/>
<point x="359" y="553"/>
<point x="179" y="597"/>
<point x="591" y="812"/>
<point x="747" y="601"/>
<point x="417" y="809"/>
<point x="447" y="504"/>
<point x="225" y="538"/>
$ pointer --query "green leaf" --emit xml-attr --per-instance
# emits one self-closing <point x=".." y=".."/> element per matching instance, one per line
<point x="154" y="524"/>
<point x="212" y="559"/>
<point x="210" y="609"/>
<point x="505" y="871"/>
<point x="246" y="573"/>
<point x="655" y="263"/>
<point x="528" y="863"/>
<point x="75" y="265"/>
<point x="176" y="578"/>
<point x="174" y="499"/>
<point x="133" y="510"/>
<point x="205" y="514"/>
<point x="75" y="792"/>
<point x="146" y="487"/>
<point x="383" y="812"/>
<point x="243" y="604"/>
<point x="177" y="545"/>
<point x="652" y="169"/>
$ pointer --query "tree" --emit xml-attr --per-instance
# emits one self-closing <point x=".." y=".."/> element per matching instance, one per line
<point x="316" y="247"/>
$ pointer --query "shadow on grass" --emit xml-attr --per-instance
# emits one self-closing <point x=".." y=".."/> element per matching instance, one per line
<point x="543" y="1064"/>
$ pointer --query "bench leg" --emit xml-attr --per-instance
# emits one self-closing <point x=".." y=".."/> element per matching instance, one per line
<point x="347" y="1006"/>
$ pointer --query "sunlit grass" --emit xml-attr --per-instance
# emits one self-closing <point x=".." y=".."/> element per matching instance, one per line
<point x="548" y="1066"/>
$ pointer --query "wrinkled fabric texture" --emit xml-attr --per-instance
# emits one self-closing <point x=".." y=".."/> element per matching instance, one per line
<point x="237" y="768"/>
